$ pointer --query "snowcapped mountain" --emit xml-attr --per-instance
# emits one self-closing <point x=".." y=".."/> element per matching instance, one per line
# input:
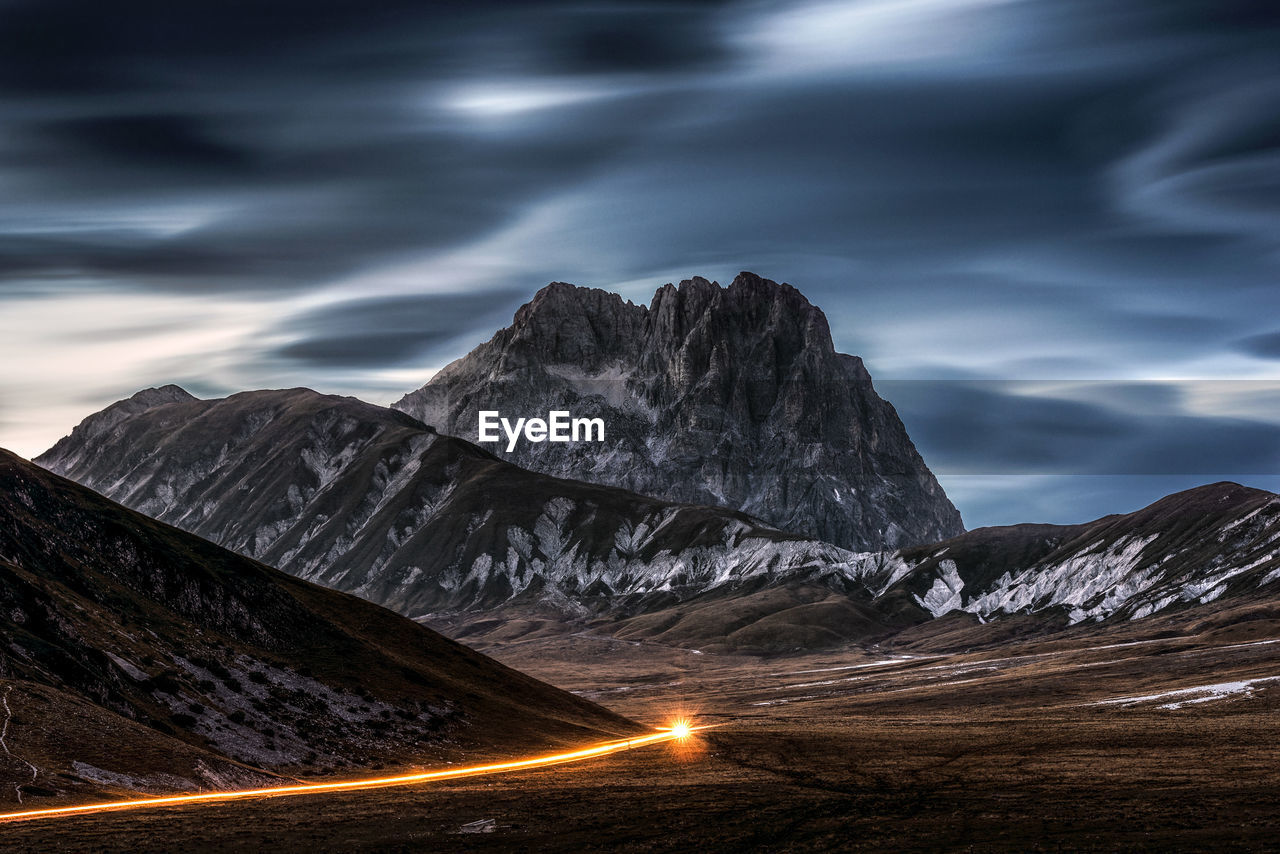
<point x="726" y="396"/>
<point x="1220" y="541"/>
<point x="369" y="500"/>
<point x="137" y="657"/>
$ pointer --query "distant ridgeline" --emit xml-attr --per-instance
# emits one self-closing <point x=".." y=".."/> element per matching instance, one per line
<point x="731" y="453"/>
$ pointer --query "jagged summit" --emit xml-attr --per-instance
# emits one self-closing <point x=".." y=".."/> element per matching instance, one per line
<point x="731" y="396"/>
<point x="567" y="323"/>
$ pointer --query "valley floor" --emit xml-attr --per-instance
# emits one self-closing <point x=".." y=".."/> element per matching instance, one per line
<point x="1111" y="741"/>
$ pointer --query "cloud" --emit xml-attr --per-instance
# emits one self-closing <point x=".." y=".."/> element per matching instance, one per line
<point x="1264" y="346"/>
<point x="391" y="331"/>
<point x="816" y="37"/>
<point x="973" y="427"/>
<point x="506" y="98"/>
<point x="631" y="38"/>
<point x="175" y="142"/>
<point x="1012" y="189"/>
<point x="1214" y="166"/>
<point x="68" y="364"/>
<point x="312" y="152"/>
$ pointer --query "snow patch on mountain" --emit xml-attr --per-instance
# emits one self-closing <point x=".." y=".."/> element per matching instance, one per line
<point x="1092" y="585"/>
<point x="947" y="592"/>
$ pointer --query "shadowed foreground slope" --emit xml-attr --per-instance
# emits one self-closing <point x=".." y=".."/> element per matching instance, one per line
<point x="140" y="658"/>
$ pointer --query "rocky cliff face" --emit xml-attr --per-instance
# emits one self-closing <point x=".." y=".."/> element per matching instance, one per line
<point x="370" y="501"/>
<point x="728" y="396"/>
<point x="137" y="657"/>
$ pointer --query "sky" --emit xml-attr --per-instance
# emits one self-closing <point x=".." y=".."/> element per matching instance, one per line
<point x="1050" y="227"/>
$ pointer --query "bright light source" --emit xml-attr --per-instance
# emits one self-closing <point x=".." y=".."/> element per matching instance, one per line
<point x="681" y="729"/>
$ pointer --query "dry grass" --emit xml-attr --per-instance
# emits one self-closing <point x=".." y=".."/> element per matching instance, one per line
<point x="1002" y="750"/>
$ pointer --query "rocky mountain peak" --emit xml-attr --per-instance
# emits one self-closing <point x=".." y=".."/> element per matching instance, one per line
<point x="100" y="424"/>
<point x="585" y="327"/>
<point x="568" y="324"/>
<point x="750" y="302"/>
<point x="689" y="298"/>
<point x="164" y="394"/>
<point x="748" y="288"/>
<point x="727" y="396"/>
<point x="755" y="326"/>
<point x="561" y="298"/>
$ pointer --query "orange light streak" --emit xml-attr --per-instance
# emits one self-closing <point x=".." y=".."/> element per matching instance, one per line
<point x="678" y="732"/>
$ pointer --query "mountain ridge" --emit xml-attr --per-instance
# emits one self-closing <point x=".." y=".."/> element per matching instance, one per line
<point x="369" y="500"/>
<point x="476" y="535"/>
<point x="1190" y="547"/>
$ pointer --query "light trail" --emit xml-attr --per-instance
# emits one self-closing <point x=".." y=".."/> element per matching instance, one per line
<point x="678" y="732"/>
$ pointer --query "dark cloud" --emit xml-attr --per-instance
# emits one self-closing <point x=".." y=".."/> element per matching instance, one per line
<point x="64" y="47"/>
<point x="176" y="263"/>
<point x="1265" y="346"/>
<point x="378" y="333"/>
<point x="1044" y="189"/>
<point x="77" y="47"/>
<point x="970" y="427"/>
<point x="640" y="38"/>
<point x="289" y="221"/>
<point x="147" y="142"/>
<point x="323" y="138"/>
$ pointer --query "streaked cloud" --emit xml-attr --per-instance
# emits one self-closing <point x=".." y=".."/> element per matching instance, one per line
<point x="974" y="190"/>
<point x="501" y="98"/>
<point x="888" y="35"/>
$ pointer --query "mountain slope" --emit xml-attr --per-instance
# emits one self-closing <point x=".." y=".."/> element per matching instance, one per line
<point x="370" y="501"/>
<point x="730" y="396"/>
<point x="138" y="657"/>
<point x="1220" y="541"/>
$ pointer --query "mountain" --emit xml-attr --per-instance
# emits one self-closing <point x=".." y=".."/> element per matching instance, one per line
<point x="726" y="396"/>
<point x="1215" y="542"/>
<point x="137" y="657"/>
<point x="371" y="501"/>
<point x="1207" y="557"/>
